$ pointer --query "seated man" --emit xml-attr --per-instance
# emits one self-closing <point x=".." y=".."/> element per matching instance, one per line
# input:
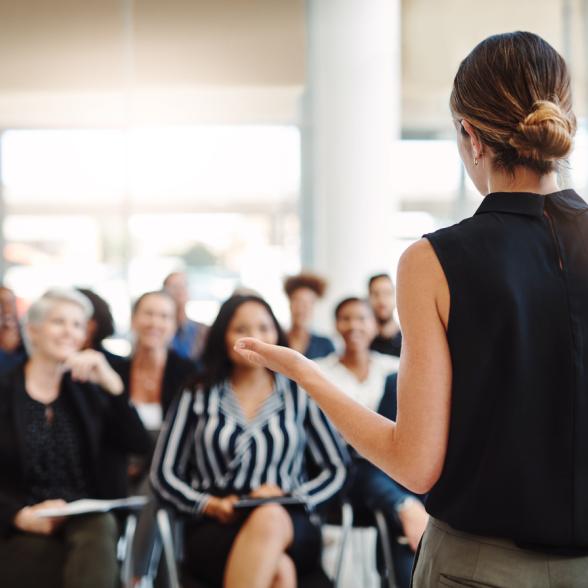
<point x="61" y="413"/>
<point x="369" y="377"/>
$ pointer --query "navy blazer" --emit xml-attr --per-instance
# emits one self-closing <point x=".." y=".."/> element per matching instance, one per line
<point x="111" y="426"/>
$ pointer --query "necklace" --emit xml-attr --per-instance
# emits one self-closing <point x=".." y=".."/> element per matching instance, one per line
<point x="49" y="414"/>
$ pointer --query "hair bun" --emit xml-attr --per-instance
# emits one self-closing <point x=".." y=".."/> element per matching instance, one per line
<point x="546" y="133"/>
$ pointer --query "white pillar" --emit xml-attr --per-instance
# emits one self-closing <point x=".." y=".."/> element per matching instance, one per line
<point x="350" y="120"/>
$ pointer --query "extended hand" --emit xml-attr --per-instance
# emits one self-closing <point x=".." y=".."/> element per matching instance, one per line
<point x="221" y="509"/>
<point x="274" y="357"/>
<point x="91" y="366"/>
<point x="27" y="520"/>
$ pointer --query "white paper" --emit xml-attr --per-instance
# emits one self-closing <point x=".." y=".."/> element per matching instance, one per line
<point x="151" y="414"/>
<point x="88" y="505"/>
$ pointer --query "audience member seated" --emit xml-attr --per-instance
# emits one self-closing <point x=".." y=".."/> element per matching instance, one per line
<point x="190" y="336"/>
<point x="100" y="326"/>
<point x="366" y="375"/>
<point x="12" y="350"/>
<point x="59" y="414"/>
<point x="303" y="291"/>
<point x="154" y="373"/>
<point x="382" y="297"/>
<point x="244" y="431"/>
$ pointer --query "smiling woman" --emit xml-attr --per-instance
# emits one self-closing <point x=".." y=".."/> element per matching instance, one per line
<point x="65" y="413"/>
<point x="243" y="431"/>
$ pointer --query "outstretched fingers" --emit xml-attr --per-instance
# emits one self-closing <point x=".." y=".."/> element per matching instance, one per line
<point x="251" y="350"/>
<point x="273" y="357"/>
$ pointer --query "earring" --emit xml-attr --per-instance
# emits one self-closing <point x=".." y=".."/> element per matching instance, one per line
<point x="475" y="161"/>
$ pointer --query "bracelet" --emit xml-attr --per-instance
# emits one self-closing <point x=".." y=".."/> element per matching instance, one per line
<point x="404" y="503"/>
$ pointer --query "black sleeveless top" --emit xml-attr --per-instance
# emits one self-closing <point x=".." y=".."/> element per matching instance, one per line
<point x="517" y="457"/>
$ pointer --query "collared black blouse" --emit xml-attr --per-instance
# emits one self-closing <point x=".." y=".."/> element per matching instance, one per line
<point x="517" y="457"/>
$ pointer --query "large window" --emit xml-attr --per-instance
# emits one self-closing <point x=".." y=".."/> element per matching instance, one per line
<point x="117" y="210"/>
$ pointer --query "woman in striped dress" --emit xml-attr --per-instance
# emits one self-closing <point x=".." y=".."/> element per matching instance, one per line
<point x="247" y="432"/>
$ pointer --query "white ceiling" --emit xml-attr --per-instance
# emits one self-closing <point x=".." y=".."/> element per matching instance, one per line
<point x="85" y="63"/>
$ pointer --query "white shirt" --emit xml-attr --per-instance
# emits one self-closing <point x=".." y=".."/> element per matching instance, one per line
<point x="369" y="391"/>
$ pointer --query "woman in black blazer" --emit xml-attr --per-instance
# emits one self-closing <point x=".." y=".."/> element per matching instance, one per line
<point x="62" y="416"/>
<point x="152" y="376"/>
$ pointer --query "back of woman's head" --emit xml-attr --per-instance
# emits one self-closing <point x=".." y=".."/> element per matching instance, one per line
<point x="216" y="362"/>
<point x="514" y="89"/>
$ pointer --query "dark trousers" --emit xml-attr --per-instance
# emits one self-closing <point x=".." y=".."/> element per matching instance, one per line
<point x="372" y="488"/>
<point x="81" y="554"/>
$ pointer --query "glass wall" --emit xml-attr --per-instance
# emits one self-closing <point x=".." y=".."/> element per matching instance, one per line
<point x="118" y="210"/>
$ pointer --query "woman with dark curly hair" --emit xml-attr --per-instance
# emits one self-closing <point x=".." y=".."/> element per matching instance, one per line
<point x="303" y="291"/>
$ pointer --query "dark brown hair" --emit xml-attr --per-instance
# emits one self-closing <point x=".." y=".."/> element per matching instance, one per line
<point x="305" y="280"/>
<point x="514" y="89"/>
<point x="352" y="300"/>
<point x="163" y="293"/>
<point x="215" y="358"/>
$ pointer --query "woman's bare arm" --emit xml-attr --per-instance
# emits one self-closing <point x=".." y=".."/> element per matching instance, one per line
<point x="412" y="450"/>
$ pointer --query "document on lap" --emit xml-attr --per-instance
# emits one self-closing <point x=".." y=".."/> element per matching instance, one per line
<point x="248" y="502"/>
<point x="89" y="505"/>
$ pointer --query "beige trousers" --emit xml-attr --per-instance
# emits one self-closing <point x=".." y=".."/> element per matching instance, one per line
<point x="450" y="558"/>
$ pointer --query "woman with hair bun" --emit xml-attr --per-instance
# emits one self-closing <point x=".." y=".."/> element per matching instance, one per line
<point x="492" y="416"/>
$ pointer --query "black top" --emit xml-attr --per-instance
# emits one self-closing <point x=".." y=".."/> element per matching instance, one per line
<point x="109" y="427"/>
<point x="178" y="373"/>
<point x="387" y="345"/>
<point x="55" y="456"/>
<point x="517" y="456"/>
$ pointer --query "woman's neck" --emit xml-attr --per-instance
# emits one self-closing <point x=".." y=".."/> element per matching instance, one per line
<point x="299" y="329"/>
<point x="523" y="180"/>
<point x="43" y="378"/>
<point x="357" y="362"/>
<point x="149" y="357"/>
<point x="298" y="338"/>
<point x="249" y="377"/>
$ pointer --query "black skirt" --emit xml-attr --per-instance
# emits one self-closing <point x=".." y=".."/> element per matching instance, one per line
<point x="208" y="543"/>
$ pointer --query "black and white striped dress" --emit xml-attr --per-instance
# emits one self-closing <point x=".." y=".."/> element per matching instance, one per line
<point x="207" y="447"/>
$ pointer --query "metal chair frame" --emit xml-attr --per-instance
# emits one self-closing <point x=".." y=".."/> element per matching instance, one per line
<point x="347" y="520"/>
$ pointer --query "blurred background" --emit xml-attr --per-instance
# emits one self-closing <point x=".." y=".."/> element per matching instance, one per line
<point x="239" y="140"/>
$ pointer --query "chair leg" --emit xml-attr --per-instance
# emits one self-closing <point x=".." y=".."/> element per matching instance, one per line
<point x="165" y="532"/>
<point x="385" y="541"/>
<point x="346" y="525"/>
<point x="126" y="553"/>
